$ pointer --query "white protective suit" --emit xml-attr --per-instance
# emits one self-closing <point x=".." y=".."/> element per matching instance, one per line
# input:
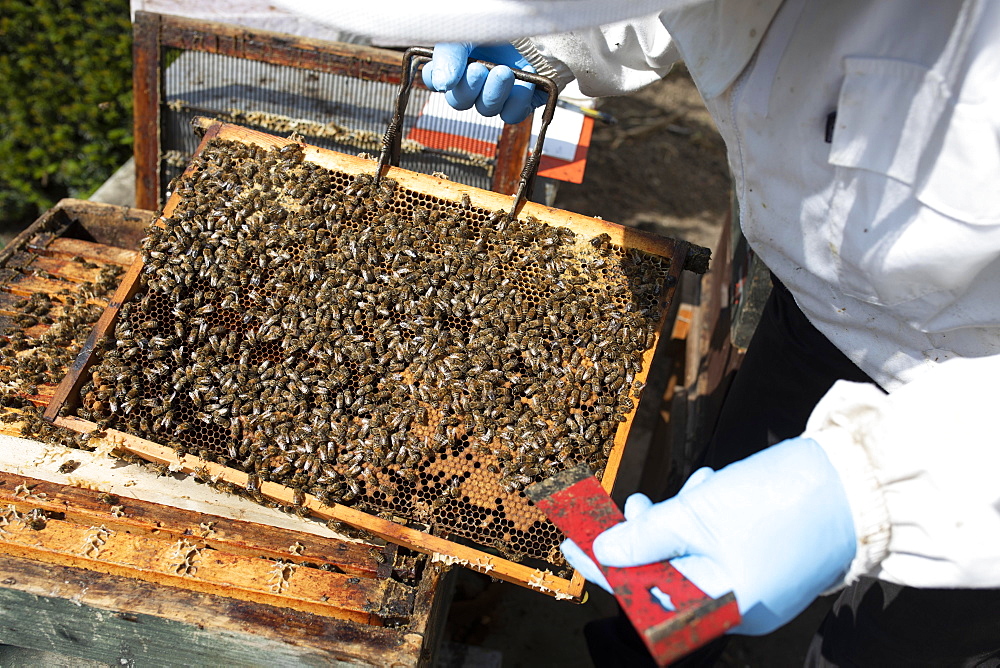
<point x="888" y="235"/>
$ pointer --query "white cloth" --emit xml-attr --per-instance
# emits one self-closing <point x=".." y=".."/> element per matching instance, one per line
<point x="254" y="14"/>
<point x="399" y="21"/>
<point x="921" y="464"/>
<point x="627" y="55"/>
<point x="889" y="236"/>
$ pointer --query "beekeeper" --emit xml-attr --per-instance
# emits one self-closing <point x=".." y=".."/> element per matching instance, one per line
<point x="864" y="143"/>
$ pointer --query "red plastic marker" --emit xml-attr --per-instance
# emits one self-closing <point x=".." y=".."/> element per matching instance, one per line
<point x="576" y="503"/>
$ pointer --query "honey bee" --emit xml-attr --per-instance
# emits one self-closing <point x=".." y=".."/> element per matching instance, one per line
<point x="35" y="519"/>
<point x="108" y="498"/>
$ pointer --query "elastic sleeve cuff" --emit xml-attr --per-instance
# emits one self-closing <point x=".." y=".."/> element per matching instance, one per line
<point x="547" y="67"/>
<point x="843" y="442"/>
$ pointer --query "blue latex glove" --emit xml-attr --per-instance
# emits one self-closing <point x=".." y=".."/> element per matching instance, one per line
<point x="493" y="91"/>
<point x="775" y="529"/>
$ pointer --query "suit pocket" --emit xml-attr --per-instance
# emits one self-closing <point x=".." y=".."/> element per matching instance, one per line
<point x="916" y="204"/>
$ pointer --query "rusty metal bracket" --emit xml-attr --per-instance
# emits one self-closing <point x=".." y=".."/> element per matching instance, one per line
<point x="392" y="141"/>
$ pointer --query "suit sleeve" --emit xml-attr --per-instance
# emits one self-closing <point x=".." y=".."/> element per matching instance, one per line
<point x="921" y="467"/>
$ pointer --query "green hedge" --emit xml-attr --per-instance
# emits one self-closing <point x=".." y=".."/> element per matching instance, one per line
<point x="65" y="100"/>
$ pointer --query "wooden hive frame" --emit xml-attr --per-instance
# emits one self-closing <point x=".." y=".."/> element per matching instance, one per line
<point x="86" y="552"/>
<point x="155" y="33"/>
<point x="67" y="396"/>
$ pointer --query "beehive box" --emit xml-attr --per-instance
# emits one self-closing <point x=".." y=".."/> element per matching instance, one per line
<point x="398" y="354"/>
<point x="117" y="558"/>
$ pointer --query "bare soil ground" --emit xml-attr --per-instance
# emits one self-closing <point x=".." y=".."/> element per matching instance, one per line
<point x="661" y="168"/>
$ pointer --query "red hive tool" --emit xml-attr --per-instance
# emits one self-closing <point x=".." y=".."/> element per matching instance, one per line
<point x="576" y="503"/>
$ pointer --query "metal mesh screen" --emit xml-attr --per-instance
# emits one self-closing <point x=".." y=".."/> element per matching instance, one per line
<point x="333" y="111"/>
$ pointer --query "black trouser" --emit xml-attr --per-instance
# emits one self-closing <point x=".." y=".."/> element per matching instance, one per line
<point x="788" y="367"/>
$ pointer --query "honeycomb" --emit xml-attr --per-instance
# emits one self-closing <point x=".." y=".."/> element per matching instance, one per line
<point x="420" y="358"/>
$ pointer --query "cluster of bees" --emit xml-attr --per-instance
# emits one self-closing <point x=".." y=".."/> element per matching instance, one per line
<point x="39" y="341"/>
<point x="29" y="361"/>
<point x="333" y="333"/>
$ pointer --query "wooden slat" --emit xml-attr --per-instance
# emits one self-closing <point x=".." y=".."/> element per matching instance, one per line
<point x="65" y="269"/>
<point x="622" y="434"/>
<point x="42" y="397"/>
<point x="19" y="260"/>
<point x="52" y="220"/>
<point x="682" y="324"/>
<point x="140" y="517"/>
<point x="7" y="301"/>
<point x="109" y="225"/>
<point x="188" y="562"/>
<point x="355" y="60"/>
<point x="94" y="252"/>
<point x="8" y="308"/>
<point x="35" y="331"/>
<point x="26" y="284"/>
<point x="512" y="149"/>
<point x="147" y="91"/>
<point x="643" y="455"/>
<point x="12" y="428"/>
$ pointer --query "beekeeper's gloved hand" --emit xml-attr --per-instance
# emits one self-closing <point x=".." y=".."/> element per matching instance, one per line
<point x="493" y="91"/>
<point x="775" y="529"/>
